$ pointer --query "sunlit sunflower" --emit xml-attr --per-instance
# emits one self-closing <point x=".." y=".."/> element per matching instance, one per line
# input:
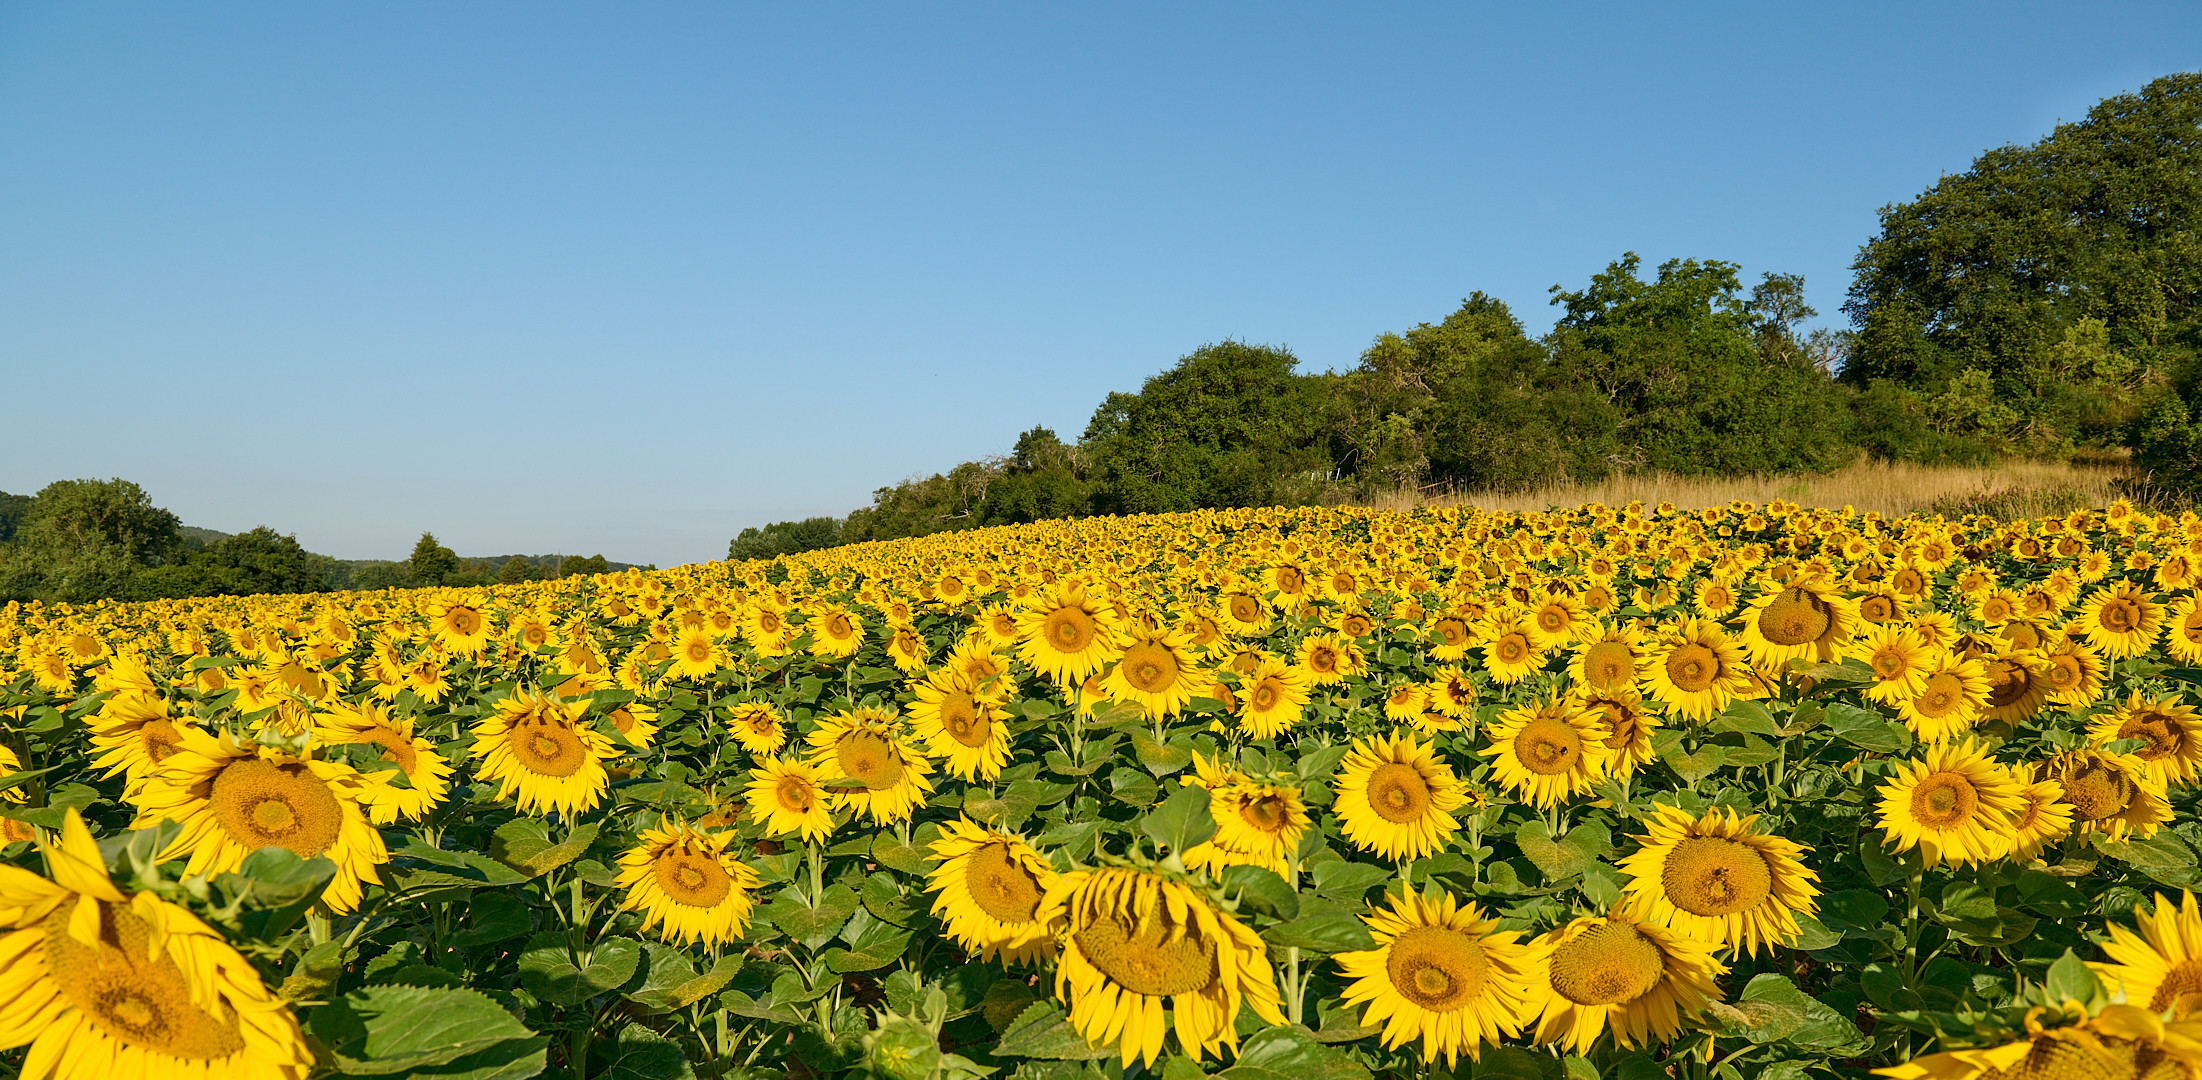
<point x="1953" y="804"/>
<point x="1271" y="698"/>
<point x="233" y="798"/>
<point x="1557" y="621"/>
<point x="1610" y="659"/>
<point x="688" y="885"/>
<point x="962" y="724"/>
<point x="100" y="983"/>
<point x="2074" y="671"/>
<point x="1257" y="824"/>
<point x="1713" y="597"/>
<point x="1634" y="978"/>
<point x="788" y="796"/>
<point x="1158" y="671"/>
<point x="1394" y="797"/>
<point x="462" y="626"/>
<point x="1243" y="613"/>
<point x="2018" y="684"/>
<point x="1510" y="653"/>
<point x="1715" y="878"/>
<point x="1695" y="670"/>
<point x="1452" y="692"/>
<point x="2183" y="623"/>
<point x="1135" y="944"/>
<point x="1404" y="702"/>
<point x="2118" y="1042"/>
<point x="863" y="746"/>
<point x="2045" y="819"/>
<point x="1329" y="659"/>
<point x="987" y="892"/>
<point x="1548" y="753"/>
<point x="835" y="632"/>
<point x="2120" y="620"/>
<point x="1900" y="660"/>
<point x="2172" y="731"/>
<point x="537" y="751"/>
<point x="696" y="654"/>
<point x="2113" y="794"/>
<point x="1948" y="702"/>
<point x="1441" y="972"/>
<point x="757" y="726"/>
<point x="1806" y="618"/>
<point x="1451" y="635"/>
<point x="132" y="734"/>
<point x="1630" y="725"/>
<point x="2159" y="968"/>
<point x="427" y="774"/>
<point x="1066" y="635"/>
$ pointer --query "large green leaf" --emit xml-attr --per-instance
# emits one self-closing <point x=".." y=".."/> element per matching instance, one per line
<point x="1291" y="1053"/>
<point x="525" y="844"/>
<point x="1181" y="822"/>
<point x="548" y="970"/>
<point x="1042" y="1031"/>
<point x="454" y="1034"/>
<point x="813" y="924"/>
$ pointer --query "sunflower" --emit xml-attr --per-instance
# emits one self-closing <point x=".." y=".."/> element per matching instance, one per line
<point x="461" y="626"/>
<point x="133" y="734"/>
<point x="835" y="632"/>
<point x="635" y="723"/>
<point x="537" y="749"/>
<point x="1631" y="725"/>
<point x="962" y="724"/>
<point x="1441" y="972"/>
<point x="1330" y="659"/>
<point x="1549" y="753"/>
<point x="696" y="654"/>
<point x="787" y="796"/>
<point x="2045" y="819"/>
<point x="1244" y="614"/>
<point x="1804" y="619"/>
<point x="1510" y="653"/>
<point x="1451" y="635"/>
<point x="1557" y="622"/>
<point x="2074" y="672"/>
<point x="1135" y="943"/>
<point x="1900" y="660"/>
<point x="757" y="726"/>
<point x="1948" y="702"/>
<point x="1713" y="597"/>
<point x="2114" y="794"/>
<point x="987" y="892"/>
<point x="1156" y="672"/>
<point x="1452" y="692"/>
<point x="2018" y="684"/>
<point x="1695" y="670"/>
<point x="1394" y="797"/>
<point x="863" y="746"/>
<point x="100" y="983"/>
<point x="2183" y="618"/>
<point x="1953" y="804"/>
<point x="688" y="885"/>
<point x="1635" y="978"/>
<point x="2172" y="730"/>
<point x="1610" y="659"/>
<point x="234" y="797"/>
<point x="2160" y="967"/>
<point x="1271" y="699"/>
<point x="1256" y="825"/>
<point x="1066" y="635"/>
<point x="1714" y="878"/>
<point x="2121" y="620"/>
<point x="427" y="774"/>
<point x="2119" y="1041"/>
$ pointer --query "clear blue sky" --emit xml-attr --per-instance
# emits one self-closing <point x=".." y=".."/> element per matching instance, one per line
<point x="628" y="277"/>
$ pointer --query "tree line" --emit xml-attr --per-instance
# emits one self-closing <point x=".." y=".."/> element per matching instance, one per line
<point x="2042" y="303"/>
<point x="81" y="540"/>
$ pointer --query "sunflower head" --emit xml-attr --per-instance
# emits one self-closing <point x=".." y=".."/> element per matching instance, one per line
<point x="1442" y="972"/>
<point x="1549" y="753"/>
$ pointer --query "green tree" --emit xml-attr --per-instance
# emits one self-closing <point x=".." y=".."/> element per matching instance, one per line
<point x="1043" y="479"/>
<point x="784" y="538"/>
<point x="84" y="539"/>
<point x="1231" y="424"/>
<point x="583" y="564"/>
<point x="515" y="570"/>
<point x="431" y="562"/>
<point x="921" y="506"/>
<point x="12" y="509"/>
<point x="2094" y="230"/>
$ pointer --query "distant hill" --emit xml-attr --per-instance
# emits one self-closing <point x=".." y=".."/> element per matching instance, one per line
<point x="196" y="537"/>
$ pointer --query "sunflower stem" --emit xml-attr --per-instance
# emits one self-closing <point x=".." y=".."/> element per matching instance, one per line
<point x="817" y="874"/>
<point x="1293" y="983"/>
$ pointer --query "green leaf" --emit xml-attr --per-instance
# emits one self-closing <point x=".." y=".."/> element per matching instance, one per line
<point x="525" y="845"/>
<point x="1337" y="877"/>
<point x="1746" y="716"/>
<point x="2070" y="979"/>
<point x="1042" y="1031"/>
<point x="813" y="924"/>
<point x="1289" y="1053"/>
<point x="1260" y="888"/>
<point x="643" y="1054"/>
<point x="1182" y="822"/>
<point x="1812" y="934"/>
<point x="383" y="1030"/>
<point x="884" y="897"/>
<point x="1558" y="860"/>
<point x="873" y="944"/>
<point x="1867" y="730"/>
<point x="1695" y="767"/>
<point x="671" y="982"/>
<point x="492" y="917"/>
<point x="889" y="851"/>
<point x="1333" y="931"/>
<point x="1133" y="787"/>
<point x="548" y="970"/>
<point x="276" y="877"/>
<point x="1772" y="1009"/>
<point x="1161" y="759"/>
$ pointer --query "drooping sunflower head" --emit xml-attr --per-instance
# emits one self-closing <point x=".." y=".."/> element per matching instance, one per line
<point x="1135" y="943"/>
<point x="1067" y="635"/>
<point x="2044" y="819"/>
<point x="1953" y="803"/>
<point x="2171" y="730"/>
<point x="688" y="884"/>
<point x="1636" y="978"/>
<point x="758" y="727"/>
<point x="1441" y="972"/>
<point x="1394" y="797"/>
<point x="427" y="774"/>
<point x="2114" y="794"/>
<point x="134" y="733"/>
<point x="865" y="746"/>
<point x="987" y="890"/>
<point x="2018" y="684"/>
<point x="787" y="796"/>
<point x="1257" y="824"/>
<point x="1805" y="618"/>
<point x="1715" y="878"/>
<point x="1631" y="726"/>
<point x="1549" y="753"/>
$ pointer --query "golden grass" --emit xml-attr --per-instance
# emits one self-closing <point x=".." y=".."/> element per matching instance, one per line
<point x="1889" y="488"/>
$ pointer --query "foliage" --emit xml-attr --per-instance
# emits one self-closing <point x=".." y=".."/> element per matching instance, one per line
<point x="247" y="563"/>
<point x="1231" y="424"/>
<point x="494" y="942"/>
<point x="12" y="509"/>
<point x="785" y="538"/>
<point x="83" y="539"/>
<point x="431" y="562"/>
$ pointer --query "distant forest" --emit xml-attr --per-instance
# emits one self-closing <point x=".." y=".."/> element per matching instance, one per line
<point x="79" y="540"/>
<point x="2042" y="303"/>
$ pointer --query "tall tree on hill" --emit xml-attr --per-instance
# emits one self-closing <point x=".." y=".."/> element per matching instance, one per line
<point x="1231" y="424"/>
<point x="431" y="562"/>
<point x="83" y="539"/>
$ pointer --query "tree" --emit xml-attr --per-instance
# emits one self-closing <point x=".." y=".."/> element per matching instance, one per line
<point x="515" y="571"/>
<point x="583" y="564"/>
<point x="784" y="538"/>
<point x="1043" y="478"/>
<point x="1231" y="424"/>
<point x="12" y="509"/>
<point x="84" y="539"/>
<point x="431" y="562"/>
<point x="2095" y="227"/>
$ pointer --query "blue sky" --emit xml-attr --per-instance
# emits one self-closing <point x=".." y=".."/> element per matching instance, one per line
<point x="626" y="278"/>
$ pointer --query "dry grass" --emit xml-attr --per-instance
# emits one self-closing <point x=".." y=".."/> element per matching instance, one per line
<point x="2012" y="489"/>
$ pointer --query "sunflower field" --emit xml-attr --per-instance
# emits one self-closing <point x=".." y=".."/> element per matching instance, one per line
<point x="1630" y="793"/>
